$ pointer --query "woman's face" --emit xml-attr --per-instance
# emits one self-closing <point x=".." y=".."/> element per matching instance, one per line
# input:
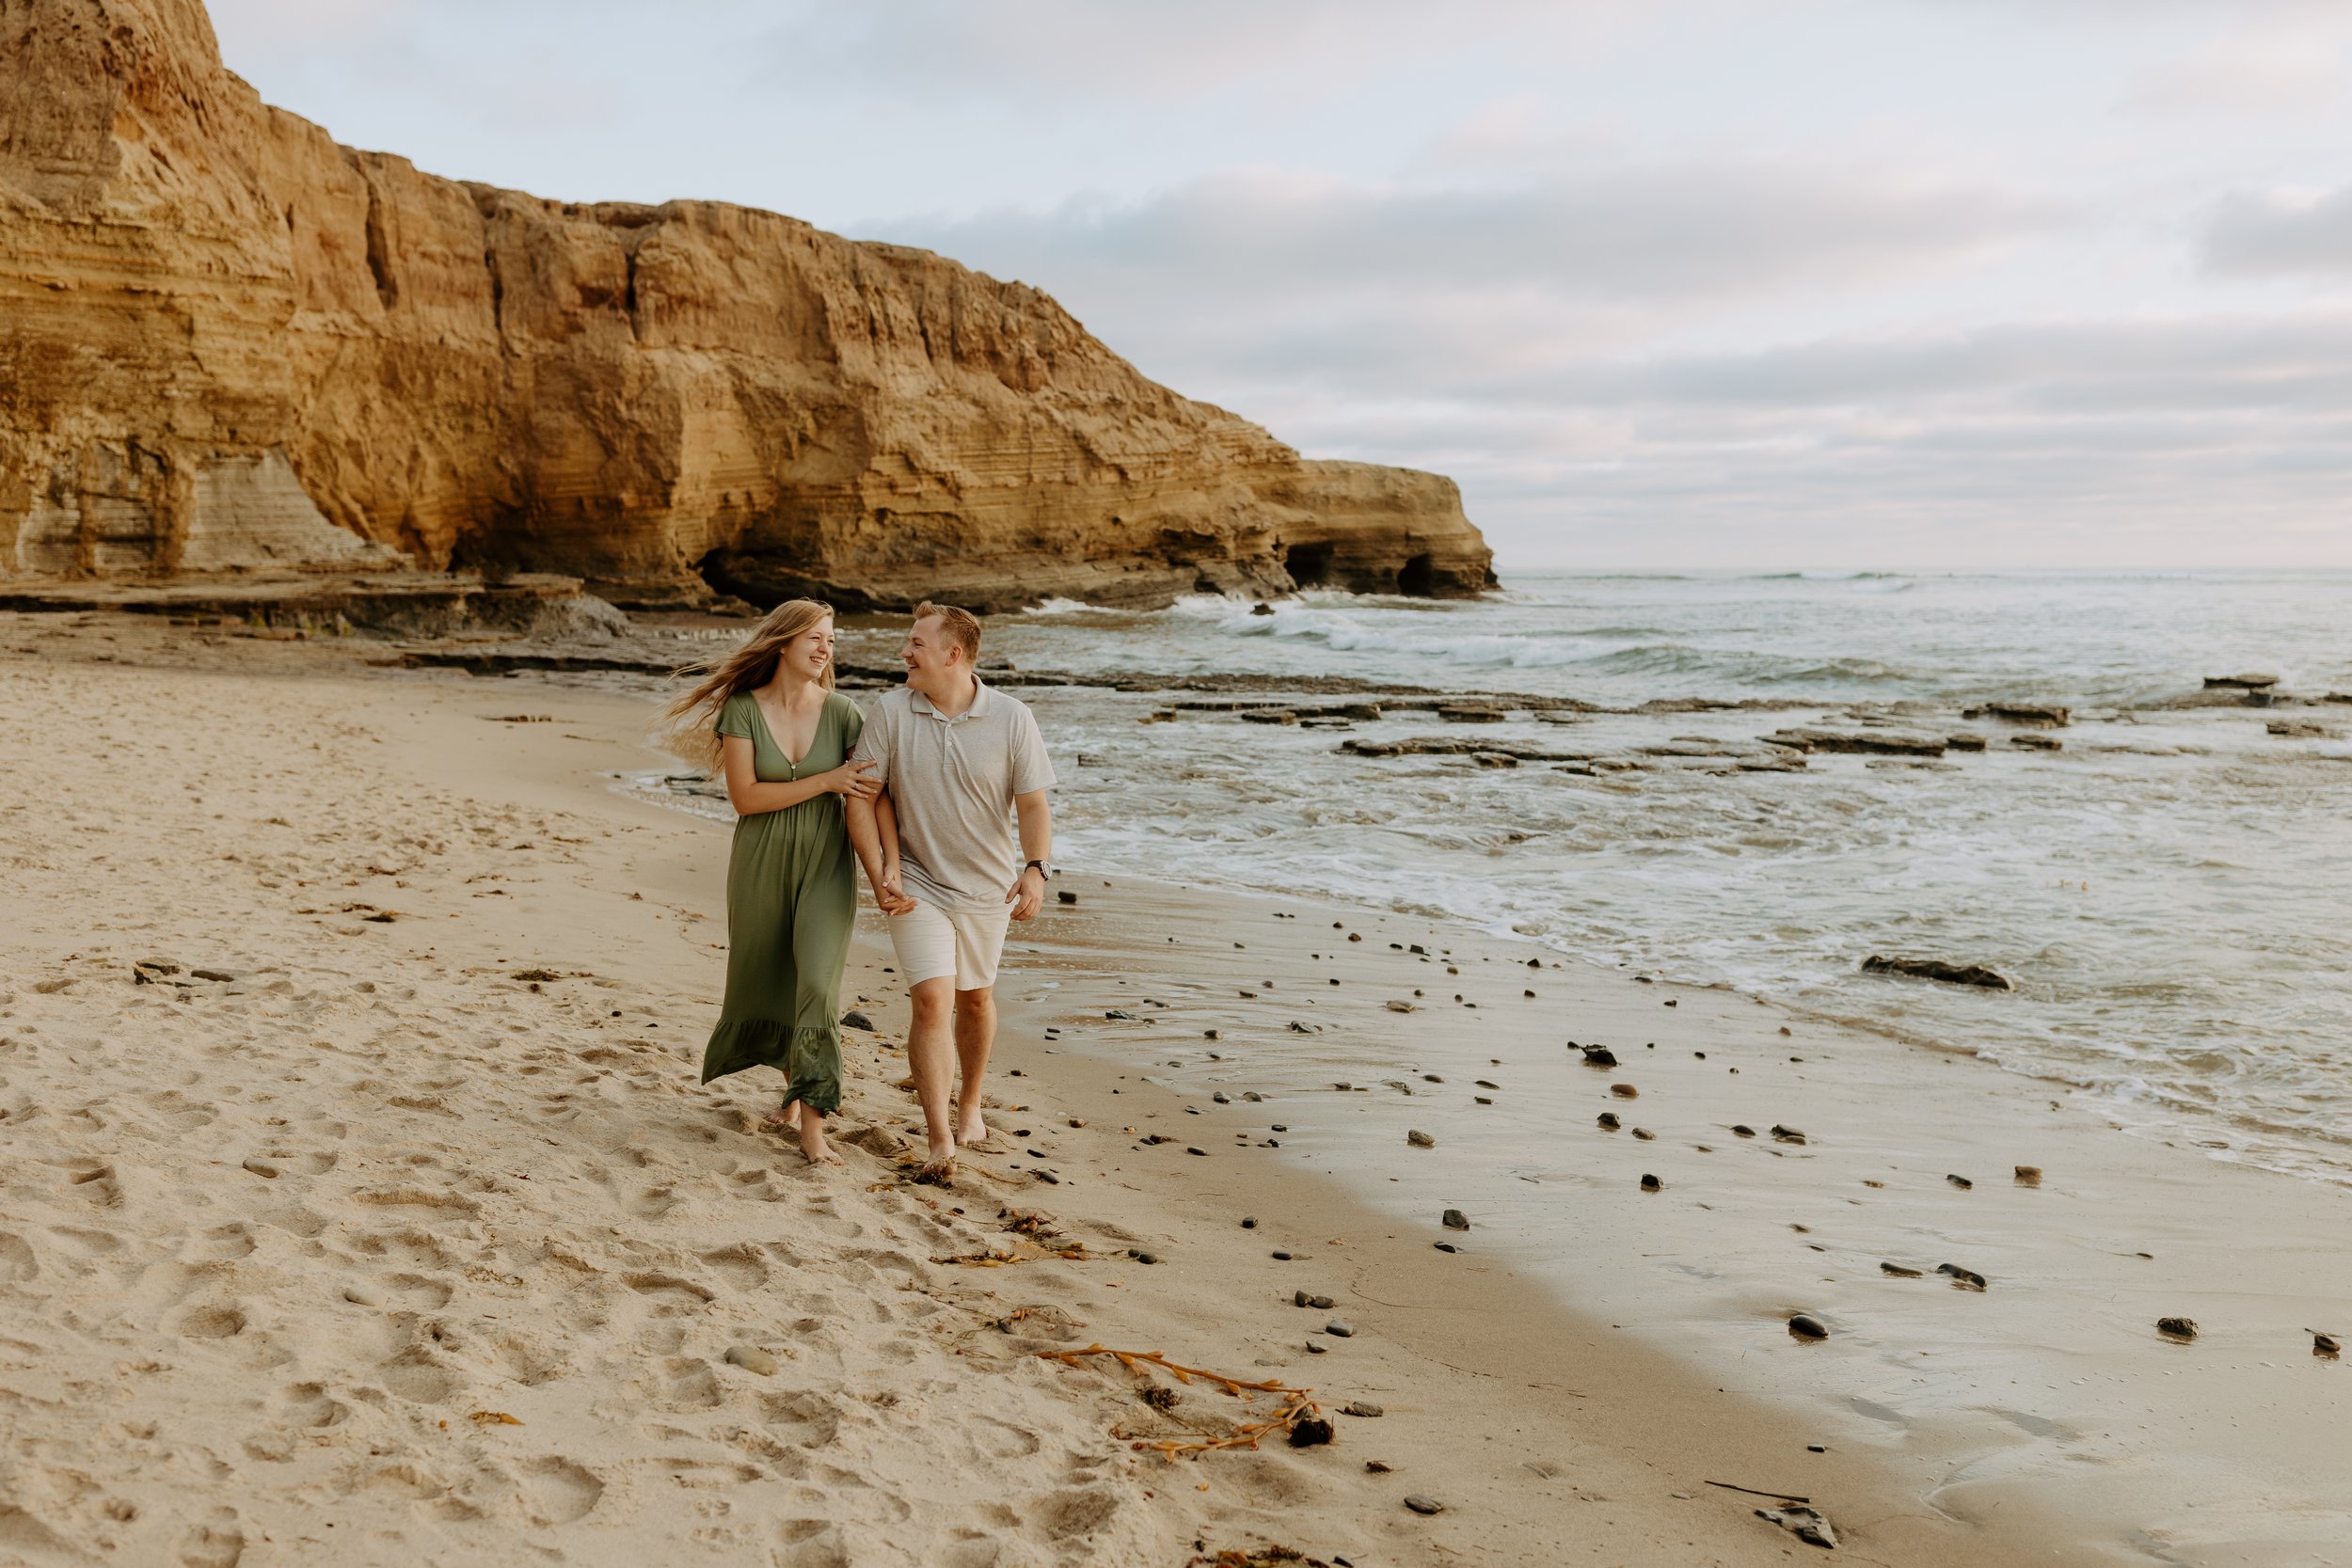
<point x="808" y="654"/>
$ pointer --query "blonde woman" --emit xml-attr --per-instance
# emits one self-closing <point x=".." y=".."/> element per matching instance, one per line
<point x="768" y="718"/>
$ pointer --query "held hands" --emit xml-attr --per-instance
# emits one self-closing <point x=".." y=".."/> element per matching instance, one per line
<point x="1027" y="894"/>
<point x="888" y="896"/>
<point x="848" y="781"/>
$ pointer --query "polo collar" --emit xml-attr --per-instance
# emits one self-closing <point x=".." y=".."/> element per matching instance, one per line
<point x="923" y="706"/>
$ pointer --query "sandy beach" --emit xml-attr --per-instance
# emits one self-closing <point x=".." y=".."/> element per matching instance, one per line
<point x="361" y="1208"/>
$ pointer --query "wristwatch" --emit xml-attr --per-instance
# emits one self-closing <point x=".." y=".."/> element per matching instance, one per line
<point x="1045" y="868"/>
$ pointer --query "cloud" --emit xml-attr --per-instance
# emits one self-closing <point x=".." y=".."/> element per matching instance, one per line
<point x="1627" y="233"/>
<point x="2253" y="236"/>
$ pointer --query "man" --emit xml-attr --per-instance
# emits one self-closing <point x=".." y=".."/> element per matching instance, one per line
<point x="959" y="762"/>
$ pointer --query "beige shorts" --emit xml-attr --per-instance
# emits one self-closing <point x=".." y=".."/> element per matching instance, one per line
<point x="967" y="943"/>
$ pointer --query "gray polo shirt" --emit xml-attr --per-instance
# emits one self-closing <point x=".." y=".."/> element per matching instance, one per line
<point x="952" y="785"/>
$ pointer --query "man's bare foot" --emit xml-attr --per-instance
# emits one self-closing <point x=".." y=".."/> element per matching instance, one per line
<point x="813" y="1145"/>
<point x="972" y="1132"/>
<point x="939" y="1166"/>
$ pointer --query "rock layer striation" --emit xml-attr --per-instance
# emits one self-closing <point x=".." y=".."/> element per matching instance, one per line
<point x="227" y="340"/>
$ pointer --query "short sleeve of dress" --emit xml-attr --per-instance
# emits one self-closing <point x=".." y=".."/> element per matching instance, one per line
<point x="853" y="722"/>
<point x="873" y="742"/>
<point x="735" y="715"/>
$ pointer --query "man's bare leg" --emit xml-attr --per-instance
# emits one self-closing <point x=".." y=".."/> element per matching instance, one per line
<point x="932" y="1058"/>
<point x="976" y="1036"/>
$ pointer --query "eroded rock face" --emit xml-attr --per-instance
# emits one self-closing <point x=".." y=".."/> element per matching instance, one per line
<point x="227" y="340"/>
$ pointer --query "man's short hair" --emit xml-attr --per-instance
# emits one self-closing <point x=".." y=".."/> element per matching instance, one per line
<point x="962" y="625"/>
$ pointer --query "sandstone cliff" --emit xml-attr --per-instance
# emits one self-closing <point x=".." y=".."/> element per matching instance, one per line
<point x="227" y="340"/>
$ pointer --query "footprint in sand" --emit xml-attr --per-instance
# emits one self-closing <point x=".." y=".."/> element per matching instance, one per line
<point x="560" y="1491"/>
<point x="215" y="1321"/>
<point x="218" y="1544"/>
<point x="806" y="1420"/>
<point x="18" y="1262"/>
<point x="308" y="1404"/>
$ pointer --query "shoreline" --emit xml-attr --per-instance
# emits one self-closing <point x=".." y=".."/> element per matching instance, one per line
<point x="1443" y="1338"/>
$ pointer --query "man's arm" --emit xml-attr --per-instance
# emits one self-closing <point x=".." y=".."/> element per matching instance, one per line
<point x="1037" y="844"/>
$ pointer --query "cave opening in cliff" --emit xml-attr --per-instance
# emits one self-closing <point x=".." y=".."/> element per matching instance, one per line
<point x="1416" y="578"/>
<point x="1309" y="566"/>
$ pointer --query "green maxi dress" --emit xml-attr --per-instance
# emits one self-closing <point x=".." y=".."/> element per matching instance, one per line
<point x="791" y="899"/>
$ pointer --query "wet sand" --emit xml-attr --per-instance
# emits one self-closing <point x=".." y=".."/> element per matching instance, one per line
<point x="379" y="1251"/>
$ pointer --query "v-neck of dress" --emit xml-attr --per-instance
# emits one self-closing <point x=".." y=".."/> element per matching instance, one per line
<point x="790" y="761"/>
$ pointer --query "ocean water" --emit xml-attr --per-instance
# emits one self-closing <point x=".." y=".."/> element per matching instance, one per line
<point x="2168" y="890"/>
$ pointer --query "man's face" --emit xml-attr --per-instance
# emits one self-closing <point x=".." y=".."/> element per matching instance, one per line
<point x="929" y="654"/>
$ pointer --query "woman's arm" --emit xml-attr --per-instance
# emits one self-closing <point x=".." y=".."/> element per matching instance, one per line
<point x="750" y="798"/>
<point x="886" y="831"/>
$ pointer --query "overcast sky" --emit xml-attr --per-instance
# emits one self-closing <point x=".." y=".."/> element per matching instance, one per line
<point x="1814" y="284"/>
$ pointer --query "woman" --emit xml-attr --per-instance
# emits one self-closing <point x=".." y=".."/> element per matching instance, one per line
<point x="767" y="716"/>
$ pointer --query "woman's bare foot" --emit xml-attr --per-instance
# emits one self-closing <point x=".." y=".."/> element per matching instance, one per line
<point x="784" y="1118"/>
<point x="813" y="1145"/>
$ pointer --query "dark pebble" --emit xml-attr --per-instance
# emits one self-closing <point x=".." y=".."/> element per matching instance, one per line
<point x="1419" y="1504"/>
<point x="1644" y="1134"/>
<point x="1299" y="1298"/>
<point x="1899" y="1271"/>
<point x="854" y="1020"/>
<point x="1048" y="1178"/>
<point x="1786" y="1135"/>
<point x="1598" y="1056"/>
<point x="1741" y="1129"/>
<point x="1454" y="1219"/>
<point x="1250" y="1222"/>
<point x="1145" y="1257"/>
<point x="1321" y="1304"/>
<point x="1376" y="1466"/>
<point x="1420" y="1140"/>
<point x="1121" y="1013"/>
<point x="2325" y="1344"/>
<point x="2029" y="1176"/>
<point x="2177" y="1328"/>
<point x="1962" y="1276"/>
<point x="1484" y="1085"/>
<point x="1807" y="1328"/>
<point x="1651" y="1184"/>
<point x="1340" y="1328"/>
<point x="1283" y="1257"/>
<point x="1310" y="1432"/>
<point x="1815" y="1448"/>
<point x="1200" y="1151"/>
<point x="1961" y="1182"/>
<point x="1313" y="1349"/>
<point x="1277" y="1127"/>
<point x="1212" y="1034"/>
<point x="1067" y="897"/>
<point x="1625" y="1091"/>
<point x="1447" y="1247"/>
<point x="1608" y="1119"/>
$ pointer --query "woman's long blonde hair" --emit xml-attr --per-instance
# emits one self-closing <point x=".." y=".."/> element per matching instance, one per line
<point x="753" y="664"/>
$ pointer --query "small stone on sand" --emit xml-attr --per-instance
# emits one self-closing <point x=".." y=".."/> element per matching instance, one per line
<point x="1419" y="1139"/>
<point x="1625" y="1091"/>
<point x="1961" y="1182"/>
<point x="1360" y="1407"/>
<point x="2177" y="1328"/>
<point x="1644" y="1134"/>
<point x="1455" y="1219"/>
<point x="1608" y="1119"/>
<point x="1310" y="1432"/>
<point x="1806" y="1327"/>
<point x="1340" y="1328"/>
<point x="1420" y="1504"/>
<point x="1250" y="1222"/>
<point x="2029" y="1176"/>
<point x="2325" y="1344"/>
<point x="1899" y="1271"/>
<point x="1651" y="1184"/>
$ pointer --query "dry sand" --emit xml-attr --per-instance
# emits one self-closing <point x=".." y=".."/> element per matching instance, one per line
<point x="376" y="1253"/>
